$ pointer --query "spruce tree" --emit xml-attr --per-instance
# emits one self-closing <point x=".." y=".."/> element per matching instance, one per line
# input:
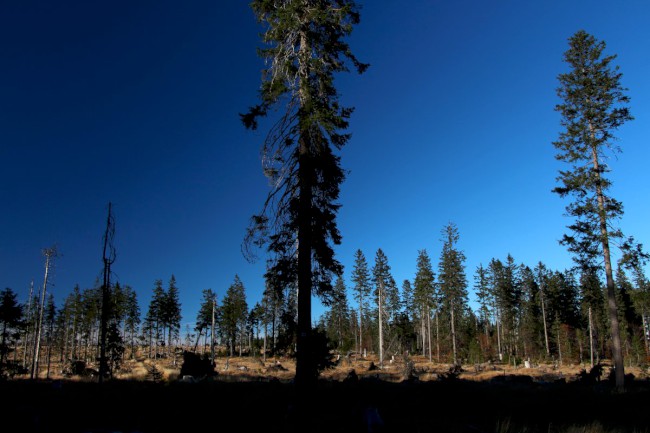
<point x="11" y="314"/>
<point x="423" y="297"/>
<point x="383" y="282"/>
<point x="453" y="282"/>
<point x="362" y="286"/>
<point x="233" y="313"/>
<point x="593" y="107"/>
<point x="171" y="313"/>
<point x="305" y="48"/>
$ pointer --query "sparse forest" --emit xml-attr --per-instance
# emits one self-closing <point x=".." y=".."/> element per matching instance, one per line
<point x="411" y="355"/>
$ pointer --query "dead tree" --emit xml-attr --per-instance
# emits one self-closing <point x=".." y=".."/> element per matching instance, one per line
<point x="108" y="258"/>
<point x="50" y="254"/>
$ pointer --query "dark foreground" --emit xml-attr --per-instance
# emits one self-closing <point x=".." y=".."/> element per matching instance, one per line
<point x="356" y="406"/>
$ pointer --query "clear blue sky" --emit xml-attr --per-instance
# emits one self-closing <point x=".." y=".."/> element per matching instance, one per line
<point x="137" y="103"/>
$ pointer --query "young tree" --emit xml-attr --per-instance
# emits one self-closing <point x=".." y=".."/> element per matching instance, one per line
<point x="484" y="297"/>
<point x="453" y="282"/>
<point x="234" y="311"/>
<point x="339" y="314"/>
<point x="383" y="282"/>
<point x="362" y="286"/>
<point x="305" y="48"/>
<point x="593" y="107"/>
<point x="11" y="314"/>
<point x="171" y="313"/>
<point x="423" y="296"/>
<point x="154" y="318"/>
<point x="50" y="254"/>
<point x="132" y="316"/>
<point x="205" y="314"/>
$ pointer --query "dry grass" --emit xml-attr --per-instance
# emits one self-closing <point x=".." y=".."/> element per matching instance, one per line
<point x="283" y="369"/>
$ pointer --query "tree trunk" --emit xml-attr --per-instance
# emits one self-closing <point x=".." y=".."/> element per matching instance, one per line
<point x="423" y="332"/>
<point x="548" y="351"/>
<point x="214" y="307"/>
<point x="429" y="331"/>
<point x="381" y="328"/>
<point x="453" y="334"/>
<point x="437" y="338"/>
<point x="29" y="316"/>
<point x="37" y="343"/>
<point x="591" y="340"/>
<point x="617" y="353"/>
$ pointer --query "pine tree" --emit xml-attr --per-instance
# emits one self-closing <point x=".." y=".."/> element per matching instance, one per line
<point x="305" y="49"/>
<point x="593" y="106"/>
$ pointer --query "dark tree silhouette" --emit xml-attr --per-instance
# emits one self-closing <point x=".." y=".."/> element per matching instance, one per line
<point x="305" y="48"/>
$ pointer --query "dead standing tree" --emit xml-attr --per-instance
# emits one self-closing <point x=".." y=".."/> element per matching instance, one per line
<point x="108" y="258"/>
<point x="50" y="254"/>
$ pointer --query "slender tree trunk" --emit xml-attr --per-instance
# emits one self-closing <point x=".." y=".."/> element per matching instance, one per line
<point x="360" y="348"/>
<point x="453" y="334"/>
<point x="499" y="335"/>
<point x="591" y="340"/>
<point x="429" y="332"/>
<point x="381" y="321"/>
<point x="214" y="307"/>
<point x="37" y="344"/>
<point x="29" y="317"/>
<point x="305" y="372"/>
<point x="617" y="353"/>
<point x="548" y="351"/>
<point x="423" y="332"/>
<point x="266" y="330"/>
<point x="437" y="338"/>
<point x="559" y="345"/>
<point x="646" y="333"/>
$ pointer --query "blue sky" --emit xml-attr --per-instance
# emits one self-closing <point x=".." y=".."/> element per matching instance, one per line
<point x="137" y="103"/>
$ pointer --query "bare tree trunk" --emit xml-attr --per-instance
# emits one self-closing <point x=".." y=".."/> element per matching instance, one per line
<point x="214" y="307"/>
<point x="360" y="348"/>
<point x="423" y="333"/>
<point x="591" y="340"/>
<point x="266" y="329"/>
<point x="453" y="333"/>
<point x="498" y="319"/>
<point x="559" y="345"/>
<point x="29" y="317"/>
<point x="429" y="332"/>
<point x="543" y="302"/>
<point x="617" y="353"/>
<point x="437" y="338"/>
<point x="49" y="253"/>
<point x="381" y="333"/>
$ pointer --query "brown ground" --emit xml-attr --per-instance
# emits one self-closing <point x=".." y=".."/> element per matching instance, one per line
<point x="250" y="396"/>
<point x="283" y="369"/>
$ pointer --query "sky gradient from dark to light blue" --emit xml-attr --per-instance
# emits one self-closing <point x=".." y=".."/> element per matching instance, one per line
<point x="137" y="103"/>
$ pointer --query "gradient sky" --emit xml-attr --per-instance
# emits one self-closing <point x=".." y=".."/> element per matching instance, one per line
<point x="137" y="103"/>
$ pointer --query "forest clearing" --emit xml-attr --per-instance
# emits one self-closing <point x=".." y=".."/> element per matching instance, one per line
<point x="247" y="394"/>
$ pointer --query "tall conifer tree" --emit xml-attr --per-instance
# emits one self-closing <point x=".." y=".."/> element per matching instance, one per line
<point x="593" y="107"/>
<point x="305" y="48"/>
